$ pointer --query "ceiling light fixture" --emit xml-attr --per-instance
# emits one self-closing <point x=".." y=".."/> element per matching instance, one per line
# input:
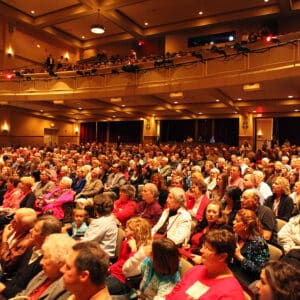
<point x="97" y="28"/>
<point x="176" y="94"/>
<point x="251" y="87"/>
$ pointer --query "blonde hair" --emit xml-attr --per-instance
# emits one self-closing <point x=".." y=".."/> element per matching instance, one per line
<point x="27" y="180"/>
<point x="141" y="230"/>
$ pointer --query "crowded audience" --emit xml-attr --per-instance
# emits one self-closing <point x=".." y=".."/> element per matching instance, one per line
<point x="179" y="194"/>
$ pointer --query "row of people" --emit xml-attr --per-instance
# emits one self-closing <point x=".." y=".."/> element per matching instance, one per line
<point x="65" y="269"/>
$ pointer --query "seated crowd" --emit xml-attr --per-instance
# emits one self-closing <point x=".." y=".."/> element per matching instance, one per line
<point x="140" y="213"/>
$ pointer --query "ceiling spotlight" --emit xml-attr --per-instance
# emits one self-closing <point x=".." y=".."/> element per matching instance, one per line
<point x="290" y="97"/>
<point x="97" y="28"/>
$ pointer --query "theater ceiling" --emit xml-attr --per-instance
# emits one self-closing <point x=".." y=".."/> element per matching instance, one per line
<point x="70" y="20"/>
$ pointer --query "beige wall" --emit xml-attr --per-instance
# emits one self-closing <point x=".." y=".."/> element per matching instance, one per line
<point x="29" y="130"/>
<point x="24" y="46"/>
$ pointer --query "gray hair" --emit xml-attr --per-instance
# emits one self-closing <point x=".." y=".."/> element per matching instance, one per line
<point x="178" y="194"/>
<point x="152" y="188"/>
<point x="58" y="245"/>
<point x="67" y="181"/>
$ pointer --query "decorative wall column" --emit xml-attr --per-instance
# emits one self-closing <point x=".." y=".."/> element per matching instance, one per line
<point x="246" y="129"/>
<point x="151" y="130"/>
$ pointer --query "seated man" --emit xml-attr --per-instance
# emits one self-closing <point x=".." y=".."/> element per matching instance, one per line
<point x="104" y="228"/>
<point x="90" y="190"/>
<point x="30" y="264"/>
<point x="250" y="200"/>
<point x="85" y="271"/>
<point x="16" y="239"/>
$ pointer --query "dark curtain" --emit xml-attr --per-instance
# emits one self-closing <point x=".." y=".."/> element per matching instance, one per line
<point x="176" y="130"/>
<point x="102" y="131"/>
<point x="287" y="129"/>
<point x="204" y="130"/>
<point x="87" y="132"/>
<point x="128" y="132"/>
<point x="227" y="131"/>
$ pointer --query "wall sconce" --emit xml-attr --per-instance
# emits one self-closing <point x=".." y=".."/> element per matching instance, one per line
<point x="259" y="133"/>
<point x="9" y="52"/>
<point x="245" y="124"/>
<point x="76" y="129"/>
<point x="67" y="57"/>
<point x="5" y="128"/>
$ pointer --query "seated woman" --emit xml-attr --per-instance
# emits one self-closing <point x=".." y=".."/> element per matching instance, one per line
<point x="213" y="219"/>
<point x="159" y="181"/>
<point x="138" y="236"/>
<point x="48" y="284"/>
<point x="252" y="250"/>
<point x="28" y="197"/>
<point x="124" y="207"/>
<point x="53" y="201"/>
<point x="13" y="196"/>
<point x="79" y="181"/>
<point x="279" y="281"/>
<point x="280" y="202"/>
<point x="160" y="270"/>
<point x="149" y="208"/>
<point x="104" y="228"/>
<point x="175" y="221"/>
<point x="199" y="200"/>
<point x="232" y="203"/>
<point x="213" y="279"/>
<point x="218" y="191"/>
<point x="45" y="185"/>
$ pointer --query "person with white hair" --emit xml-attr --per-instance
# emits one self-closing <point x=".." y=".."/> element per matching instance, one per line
<point x="53" y="201"/>
<point x="48" y="284"/>
<point x="262" y="187"/>
<point x="175" y="221"/>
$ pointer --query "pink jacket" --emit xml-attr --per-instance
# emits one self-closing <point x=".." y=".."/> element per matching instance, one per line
<point x="56" y="206"/>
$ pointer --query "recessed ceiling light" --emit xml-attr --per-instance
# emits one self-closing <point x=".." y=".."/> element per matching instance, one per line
<point x="146" y="23"/>
<point x="235" y="112"/>
<point x="32" y="11"/>
<point x="113" y="116"/>
<point x="296" y="109"/>
<point x="239" y="99"/>
<point x="123" y="105"/>
<point x="217" y="100"/>
<point x="200" y="113"/>
<point x="80" y="108"/>
<point x="290" y="96"/>
<point x="38" y="46"/>
<point x="83" y="37"/>
<point x="254" y="111"/>
<point x="175" y="102"/>
<point x="41" y="111"/>
<point x="200" y="12"/>
<point x="266" y="1"/>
